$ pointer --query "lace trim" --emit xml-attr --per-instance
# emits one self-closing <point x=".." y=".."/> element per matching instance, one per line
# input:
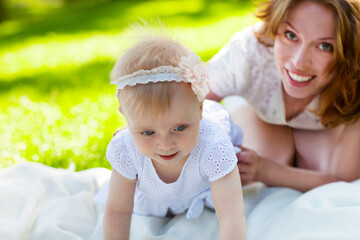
<point x="191" y="69"/>
<point x="160" y="74"/>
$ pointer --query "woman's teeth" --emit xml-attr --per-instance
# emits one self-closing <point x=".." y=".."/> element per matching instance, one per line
<point x="299" y="78"/>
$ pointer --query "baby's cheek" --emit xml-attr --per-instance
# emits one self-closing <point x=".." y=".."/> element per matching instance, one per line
<point x="191" y="141"/>
<point x="143" y="147"/>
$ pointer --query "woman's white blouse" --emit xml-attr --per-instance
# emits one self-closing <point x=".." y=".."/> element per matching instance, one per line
<point x="247" y="68"/>
<point x="212" y="158"/>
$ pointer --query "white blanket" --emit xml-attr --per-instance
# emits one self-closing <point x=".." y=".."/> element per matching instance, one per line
<point x="40" y="202"/>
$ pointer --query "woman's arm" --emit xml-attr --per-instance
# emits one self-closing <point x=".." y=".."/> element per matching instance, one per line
<point x="229" y="206"/>
<point x="329" y="155"/>
<point x="119" y="207"/>
<point x="212" y="96"/>
<point x="273" y="173"/>
<point x="346" y="157"/>
<point x="323" y="160"/>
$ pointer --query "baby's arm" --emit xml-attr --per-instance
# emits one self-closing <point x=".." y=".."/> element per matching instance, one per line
<point x="229" y="206"/>
<point x="119" y="207"/>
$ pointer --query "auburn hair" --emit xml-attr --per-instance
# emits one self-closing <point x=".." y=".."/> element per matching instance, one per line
<point x="339" y="101"/>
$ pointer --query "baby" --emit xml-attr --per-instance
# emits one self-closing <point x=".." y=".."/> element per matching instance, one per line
<point x="177" y="153"/>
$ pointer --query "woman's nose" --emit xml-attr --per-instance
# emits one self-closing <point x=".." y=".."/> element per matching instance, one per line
<point x="301" y="57"/>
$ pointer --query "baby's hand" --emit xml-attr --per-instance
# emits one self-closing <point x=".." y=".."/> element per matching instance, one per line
<point x="249" y="164"/>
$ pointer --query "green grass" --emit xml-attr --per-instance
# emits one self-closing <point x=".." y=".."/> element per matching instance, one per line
<point x="56" y="104"/>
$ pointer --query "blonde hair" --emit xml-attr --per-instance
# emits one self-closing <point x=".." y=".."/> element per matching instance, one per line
<point x="340" y="99"/>
<point x="148" y="53"/>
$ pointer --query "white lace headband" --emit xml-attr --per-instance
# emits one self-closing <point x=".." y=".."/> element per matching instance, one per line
<point x="191" y="69"/>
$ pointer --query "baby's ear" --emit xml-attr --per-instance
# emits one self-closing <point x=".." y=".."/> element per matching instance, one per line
<point x="119" y="109"/>
<point x="201" y="109"/>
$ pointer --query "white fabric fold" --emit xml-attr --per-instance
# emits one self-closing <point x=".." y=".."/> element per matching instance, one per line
<point x="42" y="203"/>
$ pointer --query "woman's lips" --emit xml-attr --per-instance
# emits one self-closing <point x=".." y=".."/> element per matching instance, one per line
<point x="168" y="157"/>
<point x="299" y="80"/>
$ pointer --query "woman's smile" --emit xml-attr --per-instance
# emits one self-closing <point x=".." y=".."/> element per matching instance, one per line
<point x="299" y="80"/>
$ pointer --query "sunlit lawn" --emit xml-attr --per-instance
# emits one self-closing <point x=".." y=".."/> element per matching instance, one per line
<point x="56" y="104"/>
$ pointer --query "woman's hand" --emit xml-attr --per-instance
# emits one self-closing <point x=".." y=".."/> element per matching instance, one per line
<point x="249" y="164"/>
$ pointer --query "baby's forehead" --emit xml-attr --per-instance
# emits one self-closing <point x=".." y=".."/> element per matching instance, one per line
<point x="156" y="96"/>
<point x="180" y="109"/>
<point x="166" y="120"/>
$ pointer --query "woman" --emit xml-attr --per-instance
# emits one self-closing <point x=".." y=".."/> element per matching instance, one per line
<point x="299" y="71"/>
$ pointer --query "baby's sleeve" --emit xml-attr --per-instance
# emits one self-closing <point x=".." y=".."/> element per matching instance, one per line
<point x="236" y="134"/>
<point x="219" y="161"/>
<point x="215" y="112"/>
<point x="120" y="157"/>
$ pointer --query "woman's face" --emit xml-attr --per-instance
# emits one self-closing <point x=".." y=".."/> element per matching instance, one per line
<point x="304" y="48"/>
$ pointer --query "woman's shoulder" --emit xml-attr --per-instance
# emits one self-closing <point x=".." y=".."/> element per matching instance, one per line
<point x="259" y="57"/>
<point x="247" y="40"/>
<point x="245" y="34"/>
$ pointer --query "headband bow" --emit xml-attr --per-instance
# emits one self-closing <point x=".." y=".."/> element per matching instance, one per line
<point x="191" y="69"/>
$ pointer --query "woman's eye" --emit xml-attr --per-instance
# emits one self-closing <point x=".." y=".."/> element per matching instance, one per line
<point x="148" y="133"/>
<point x="290" y="35"/>
<point x="180" y="128"/>
<point x="327" y="47"/>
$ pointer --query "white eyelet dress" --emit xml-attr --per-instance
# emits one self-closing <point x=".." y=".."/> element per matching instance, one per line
<point x="212" y="158"/>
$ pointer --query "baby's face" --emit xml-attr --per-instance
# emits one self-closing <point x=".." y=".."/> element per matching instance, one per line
<point x="168" y="139"/>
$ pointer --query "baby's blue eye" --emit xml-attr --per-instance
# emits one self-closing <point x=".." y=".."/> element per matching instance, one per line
<point x="148" y="133"/>
<point x="290" y="35"/>
<point x="327" y="47"/>
<point x="180" y="128"/>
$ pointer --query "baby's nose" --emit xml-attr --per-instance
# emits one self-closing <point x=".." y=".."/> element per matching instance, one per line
<point x="166" y="143"/>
